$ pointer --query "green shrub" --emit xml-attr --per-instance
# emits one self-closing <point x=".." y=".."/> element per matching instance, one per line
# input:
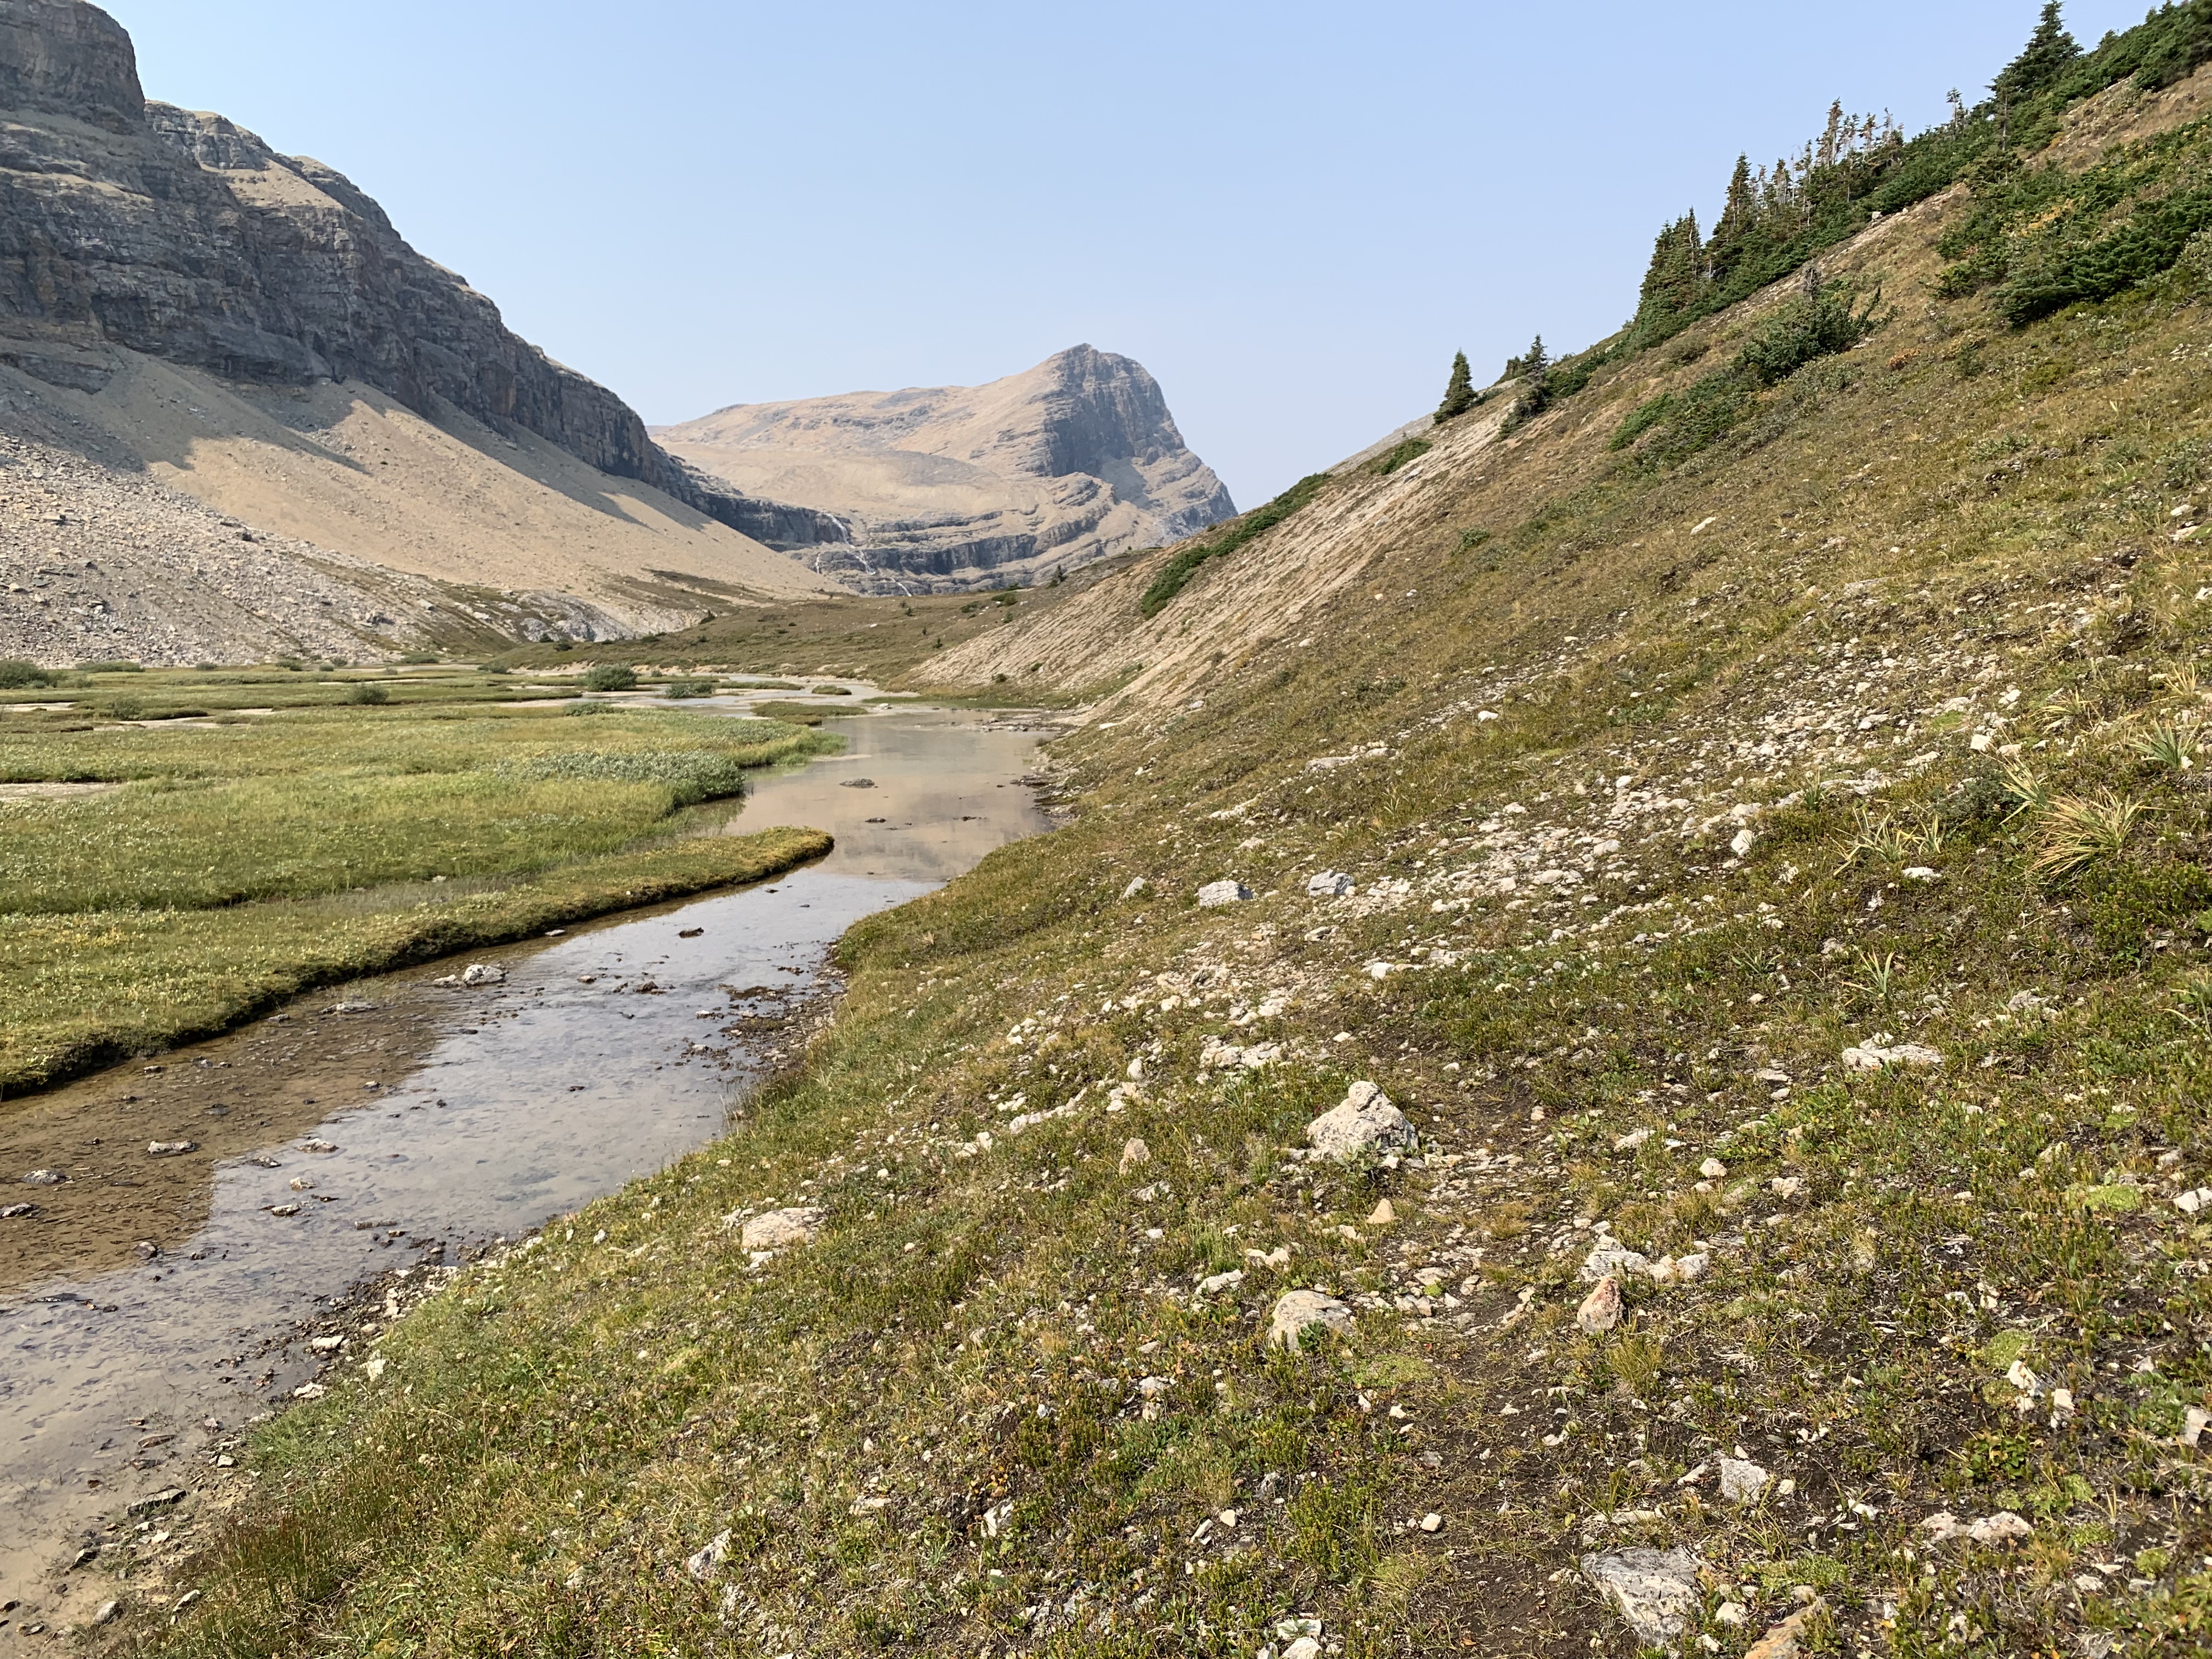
<point x="15" y="675"/>
<point x="687" y="689"/>
<point x="110" y="666"/>
<point x="366" y="692"/>
<point x="419" y="657"/>
<point x="610" y="676"/>
<point x="1410" y="450"/>
<point x="1817" y="324"/>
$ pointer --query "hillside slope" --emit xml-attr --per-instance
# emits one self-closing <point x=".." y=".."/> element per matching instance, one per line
<point x="1750" y="822"/>
<point x="945" y="487"/>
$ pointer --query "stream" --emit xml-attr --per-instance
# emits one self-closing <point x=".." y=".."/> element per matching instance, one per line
<point x="167" y="1303"/>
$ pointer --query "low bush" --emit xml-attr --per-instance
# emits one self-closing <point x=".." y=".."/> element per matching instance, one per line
<point x="610" y="676"/>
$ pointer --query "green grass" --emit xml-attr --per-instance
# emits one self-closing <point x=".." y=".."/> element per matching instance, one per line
<point x="238" y="862"/>
<point x="1175" y="575"/>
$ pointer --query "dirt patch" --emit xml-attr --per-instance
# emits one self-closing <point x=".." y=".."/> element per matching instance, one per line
<point x="53" y="791"/>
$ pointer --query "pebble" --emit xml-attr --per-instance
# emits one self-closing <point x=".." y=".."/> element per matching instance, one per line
<point x="10" y="1212"/>
<point x="1298" y="1311"/>
<point x="45" y="1178"/>
<point x="1783" y="1641"/>
<point x="311" y="1144"/>
<point x="1135" y="1154"/>
<point x="2196" y="1199"/>
<point x="1219" y="1282"/>
<point x="168" y="1498"/>
<point x="1137" y="884"/>
<point x="858" y="783"/>
<point x="107" y="1612"/>
<point x="1383" y="1214"/>
<point x="1364" y="1118"/>
<point x="170" y="1148"/>
<point x="702" y="1565"/>
<point x="483" y="973"/>
<point x="1215" y="893"/>
<point x="284" y="1209"/>
<point x="1712" y="1169"/>
<point x="1432" y="1522"/>
<point x="1330" y="883"/>
<point x="1304" y="1647"/>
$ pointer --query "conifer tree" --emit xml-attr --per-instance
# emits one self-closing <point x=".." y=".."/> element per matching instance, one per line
<point x="1738" y="222"/>
<point x="2049" y="51"/>
<point x="1459" y="390"/>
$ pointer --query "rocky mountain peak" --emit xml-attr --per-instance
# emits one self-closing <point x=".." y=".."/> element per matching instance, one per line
<point x="69" y="58"/>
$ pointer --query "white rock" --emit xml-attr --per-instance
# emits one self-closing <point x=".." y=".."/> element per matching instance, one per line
<point x="1941" y="1526"/>
<point x="483" y="973"/>
<point x="1298" y="1311"/>
<point x="170" y="1148"/>
<point x="1330" y="883"/>
<point x="1600" y="1309"/>
<point x="2190" y="1202"/>
<point x="1742" y="842"/>
<point x="1607" y="1258"/>
<point x="1656" y="1592"/>
<point x="1432" y="1522"/>
<point x="1137" y="884"/>
<point x="2193" y="1424"/>
<point x="702" y="1566"/>
<point x="1304" y="1647"/>
<point x="107" y="1612"/>
<point x="1786" y="1186"/>
<point x="1921" y="872"/>
<point x="1681" y="1270"/>
<point x="45" y="1178"/>
<point x="1999" y="1528"/>
<point x="1741" y="1482"/>
<point x="1216" y="893"/>
<point x="780" y="1229"/>
<point x="1713" y="1169"/>
<point x="1632" y="1139"/>
<point x="1865" y="1057"/>
<point x="1135" y="1154"/>
<point x="1364" y="1118"/>
<point x="1217" y="1283"/>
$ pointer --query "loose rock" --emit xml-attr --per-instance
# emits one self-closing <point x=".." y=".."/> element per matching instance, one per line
<point x="45" y="1178"/>
<point x="10" y="1211"/>
<point x="780" y="1229"/>
<point x="483" y="973"/>
<point x="702" y="1565"/>
<point x="858" y="783"/>
<point x="1865" y="1057"/>
<point x="1219" y="1282"/>
<point x="1222" y="892"/>
<point x="1656" y="1592"/>
<point x="1135" y="1154"/>
<point x="1363" y="1119"/>
<point x="1742" y="1482"/>
<point x="1330" y="883"/>
<point x="1601" y="1309"/>
<point x="1783" y="1641"/>
<point x="1298" y="1312"/>
<point x="170" y="1148"/>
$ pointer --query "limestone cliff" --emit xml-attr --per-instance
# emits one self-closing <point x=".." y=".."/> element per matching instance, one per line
<point x="951" y="486"/>
<point x="183" y="237"/>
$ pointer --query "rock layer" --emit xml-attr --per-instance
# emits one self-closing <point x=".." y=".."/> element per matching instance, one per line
<point x="954" y="487"/>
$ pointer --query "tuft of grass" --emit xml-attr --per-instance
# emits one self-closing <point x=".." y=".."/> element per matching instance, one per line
<point x="2078" y="831"/>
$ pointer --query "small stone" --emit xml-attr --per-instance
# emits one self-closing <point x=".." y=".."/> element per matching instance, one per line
<point x="1786" y="1186"/>
<point x="1135" y="1154"/>
<point x="780" y="1229"/>
<point x="326" y="1344"/>
<point x="1304" y="1647"/>
<point x="107" y="1612"/>
<point x="1219" y="1282"/>
<point x="1600" y="1309"/>
<point x="10" y="1211"/>
<point x="1298" y="1311"/>
<point x="1731" y="1613"/>
<point x="167" y="1499"/>
<point x="1713" y="1169"/>
<point x="146" y="1250"/>
<point x="1609" y="1259"/>
<point x="483" y="973"/>
<point x="170" y="1148"/>
<point x="702" y="1565"/>
<point x="1655" y="1591"/>
<point x="1217" y="893"/>
<point x="2193" y="1424"/>
<point x="1742" y="842"/>
<point x="284" y="1209"/>
<point x="1432" y="1522"/>
<point x="2001" y="1527"/>
<point x="858" y="783"/>
<point x="1632" y="1139"/>
<point x="1866" y="1057"/>
<point x="1783" y="1641"/>
<point x="1137" y="884"/>
<point x="311" y="1144"/>
<point x="45" y="1178"/>
<point x="2196" y="1199"/>
<point x="1330" y="883"/>
<point x="1364" y="1118"/>
<point x="1742" y="1482"/>
<point x="1383" y="1214"/>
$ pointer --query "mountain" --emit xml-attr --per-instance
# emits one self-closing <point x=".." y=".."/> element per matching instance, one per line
<point x="193" y="311"/>
<point x="951" y="487"/>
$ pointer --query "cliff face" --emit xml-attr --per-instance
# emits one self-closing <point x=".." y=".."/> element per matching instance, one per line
<point x="184" y="237"/>
<point x="960" y="486"/>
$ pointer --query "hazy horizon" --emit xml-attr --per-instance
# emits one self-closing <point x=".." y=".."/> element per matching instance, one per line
<point x="1282" y="213"/>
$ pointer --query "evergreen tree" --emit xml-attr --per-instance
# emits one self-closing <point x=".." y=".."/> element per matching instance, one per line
<point x="2049" y="51"/>
<point x="1533" y="368"/>
<point x="1674" y="284"/>
<point x="1738" y="222"/>
<point x="1459" y="391"/>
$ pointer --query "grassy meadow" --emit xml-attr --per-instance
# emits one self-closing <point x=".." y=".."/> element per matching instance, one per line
<point x="230" y="860"/>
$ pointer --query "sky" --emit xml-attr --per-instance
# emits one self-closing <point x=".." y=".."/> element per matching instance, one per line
<point x="1292" y="214"/>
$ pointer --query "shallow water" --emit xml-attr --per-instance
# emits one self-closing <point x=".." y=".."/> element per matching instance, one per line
<point x="605" y="1054"/>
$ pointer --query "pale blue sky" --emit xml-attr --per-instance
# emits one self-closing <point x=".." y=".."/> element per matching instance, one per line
<point x="1291" y="213"/>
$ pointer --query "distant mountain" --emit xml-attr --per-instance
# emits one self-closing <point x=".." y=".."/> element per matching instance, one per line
<point x="318" y="351"/>
<point x="953" y="487"/>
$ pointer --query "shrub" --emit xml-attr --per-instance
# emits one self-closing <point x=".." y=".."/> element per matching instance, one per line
<point x="16" y="674"/>
<point x="1410" y="450"/>
<point x="419" y="657"/>
<point x="1175" y="575"/>
<point x="610" y="676"/>
<point x="691" y="775"/>
<point x="366" y="692"/>
<point x="687" y="689"/>
<point x="2078" y="830"/>
<point x="1819" y="323"/>
<point x="110" y="666"/>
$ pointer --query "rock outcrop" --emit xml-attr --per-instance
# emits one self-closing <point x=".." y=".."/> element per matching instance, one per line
<point x="180" y="236"/>
<point x="954" y="487"/>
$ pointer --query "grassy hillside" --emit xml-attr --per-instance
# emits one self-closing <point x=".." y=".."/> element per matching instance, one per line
<point x="1775" y="826"/>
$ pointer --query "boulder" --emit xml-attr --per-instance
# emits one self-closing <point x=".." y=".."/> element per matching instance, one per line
<point x="1216" y="893"/>
<point x="1656" y="1592"/>
<point x="1330" y="883"/>
<point x="1364" y="1118"/>
<point x="1298" y="1311"/>
<point x="483" y="973"/>
<point x="780" y="1229"/>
